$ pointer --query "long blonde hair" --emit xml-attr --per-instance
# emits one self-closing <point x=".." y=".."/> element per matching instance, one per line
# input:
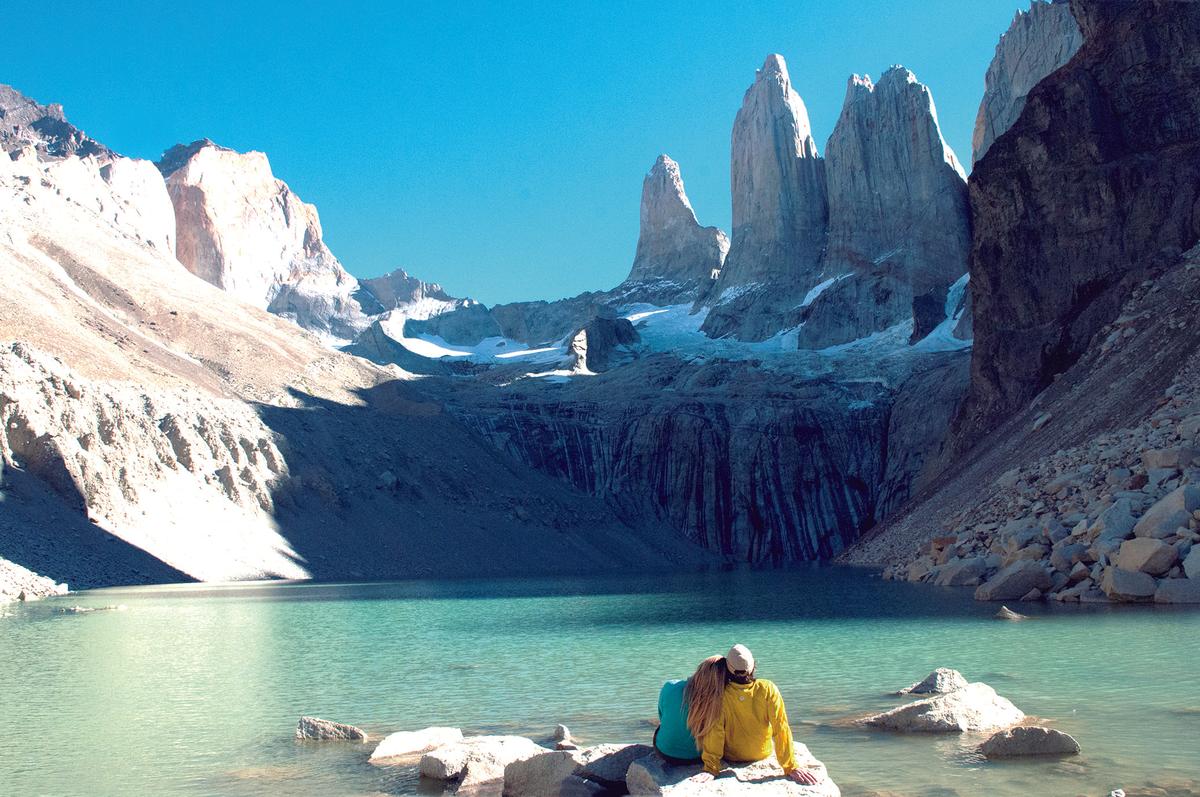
<point x="703" y="696"/>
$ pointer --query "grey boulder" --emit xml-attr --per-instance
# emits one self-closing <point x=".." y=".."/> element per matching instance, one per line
<point x="1178" y="590"/>
<point x="1029" y="741"/>
<point x="318" y="729"/>
<point x="558" y="772"/>
<point x="1127" y="585"/>
<point x="1146" y="555"/>
<point x="1169" y="513"/>
<point x="479" y="760"/>
<point x="1015" y="581"/>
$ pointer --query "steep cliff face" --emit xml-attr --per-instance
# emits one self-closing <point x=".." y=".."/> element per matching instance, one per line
<point x="841" y="248"/>
<point x="243" y="230"/>
<point x="898" y="220"/>
<point x="671" y="243"/>
<point x="1038" y="42"/>
<point x="1094" y="188"/>
<point x="760" y="465"/>
<point x="779" y="205"/>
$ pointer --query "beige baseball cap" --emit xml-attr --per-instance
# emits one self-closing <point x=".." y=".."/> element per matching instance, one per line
<point x="738" y="658"/>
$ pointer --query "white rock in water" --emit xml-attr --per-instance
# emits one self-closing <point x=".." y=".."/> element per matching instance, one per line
<point x="975" y="707"/>
<point x="410" y="743"/>
<point x="940" y="681"/>
<point x="653" y="776"/>
<point x="1029" y="741"/>
<point x="324" y="730"/>
<point x="487" y="755"/>
<point x="778" y="182"/>
<point x="243" y="230"/>
<point x="1006" y="613"/>
<point x="1037" y="43"/>
<point x="672" y="245"/>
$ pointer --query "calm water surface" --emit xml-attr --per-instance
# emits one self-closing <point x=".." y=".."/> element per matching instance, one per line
<point x="196" y="690"/>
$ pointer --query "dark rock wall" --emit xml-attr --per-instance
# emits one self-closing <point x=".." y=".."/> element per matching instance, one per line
<point x="1095" y="187"/>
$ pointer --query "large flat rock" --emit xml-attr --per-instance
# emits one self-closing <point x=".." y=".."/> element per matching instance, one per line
<point x="975" y="707"/>
<point x="653" y="776"/>
<point x="404" y="744"/>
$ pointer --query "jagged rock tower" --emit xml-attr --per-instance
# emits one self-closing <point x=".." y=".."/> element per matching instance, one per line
<point x="899" y="232"/>
<point x="672" y="246"/>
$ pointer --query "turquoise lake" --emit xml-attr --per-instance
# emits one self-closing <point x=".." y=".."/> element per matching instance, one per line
<point x="195" y="690"/>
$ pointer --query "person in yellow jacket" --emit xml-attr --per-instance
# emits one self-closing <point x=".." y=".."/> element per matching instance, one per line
<point x="741" y="718"/>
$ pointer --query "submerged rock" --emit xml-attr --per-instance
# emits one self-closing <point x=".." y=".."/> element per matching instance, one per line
<point x="1006" y="613"/>
<point x="975" y="707"/>
<point x="653" y="776"/>
<point x="1029" y="741"/>
<point x="411" y="743"/>
<point x="938" y="682"/>
<point x="324" y="730"/>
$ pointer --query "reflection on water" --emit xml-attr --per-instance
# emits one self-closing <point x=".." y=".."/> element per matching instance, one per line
<point x="196" y="690"/>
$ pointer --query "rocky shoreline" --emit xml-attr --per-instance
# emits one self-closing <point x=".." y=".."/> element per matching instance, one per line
<point x="22" y="584"/>
<point x="516" y="766"/>
<point x="1114" y="520"/>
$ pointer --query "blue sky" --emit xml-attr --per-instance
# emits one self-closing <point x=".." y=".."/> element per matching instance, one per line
<point x="496" y="148"/>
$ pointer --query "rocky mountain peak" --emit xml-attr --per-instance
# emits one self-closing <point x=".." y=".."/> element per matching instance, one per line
<point x="778" y="186"/>
<point x="899" y="232"/>
<point x="243" y="230"/>
<point x="178" y="156"/>
<point x="672" y="245"/>
<point x="399" y="288"/>
<point x="1039" y="41"/>
<point x="24" y="122"/>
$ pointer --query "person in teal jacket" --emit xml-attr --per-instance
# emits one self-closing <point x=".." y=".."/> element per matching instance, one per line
<point x="673" y="740"/>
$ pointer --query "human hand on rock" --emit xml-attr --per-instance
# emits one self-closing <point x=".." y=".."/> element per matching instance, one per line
<point x="803" y="776"/>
